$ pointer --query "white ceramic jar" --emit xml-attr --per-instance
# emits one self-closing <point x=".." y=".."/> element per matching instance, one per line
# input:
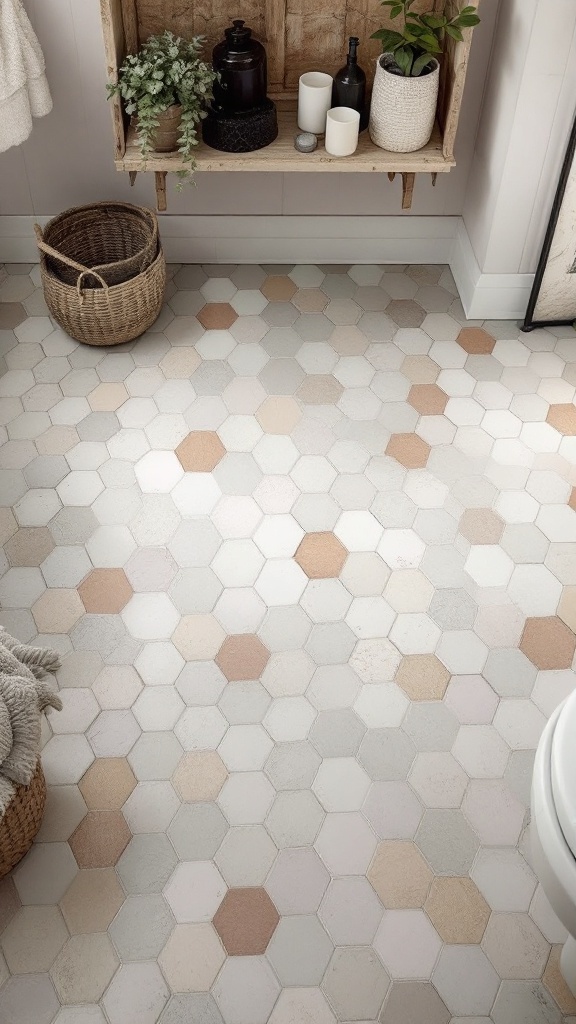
<point x="314" y="100"/>
<point x="342" y="127"/>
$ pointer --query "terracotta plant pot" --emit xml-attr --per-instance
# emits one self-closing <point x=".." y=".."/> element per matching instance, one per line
<point x="403" y="109"/>
<point x="167" y="135"/>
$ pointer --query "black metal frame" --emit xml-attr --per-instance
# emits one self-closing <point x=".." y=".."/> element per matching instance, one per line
<point x="568" y="166"/>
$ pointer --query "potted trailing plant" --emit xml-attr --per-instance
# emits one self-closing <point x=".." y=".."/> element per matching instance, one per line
<point x="166" y="87"/>
<point x="407" y="76"/>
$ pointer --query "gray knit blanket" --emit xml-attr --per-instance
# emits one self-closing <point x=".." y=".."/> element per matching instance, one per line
<point x="24" y="694"/>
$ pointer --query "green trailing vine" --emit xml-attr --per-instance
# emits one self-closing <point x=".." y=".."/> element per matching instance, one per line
<point x="167" y="70"/>
<point x="422" y="37"/>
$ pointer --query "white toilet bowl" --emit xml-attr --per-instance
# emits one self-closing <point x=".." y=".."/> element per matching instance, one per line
<point x="553" y="827"/>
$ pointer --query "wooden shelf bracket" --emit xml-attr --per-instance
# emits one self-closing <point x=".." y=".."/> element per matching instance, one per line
<point x="160" y="178"/>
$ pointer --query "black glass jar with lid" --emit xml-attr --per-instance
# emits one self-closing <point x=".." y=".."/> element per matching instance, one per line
<point x="240" y="61"/>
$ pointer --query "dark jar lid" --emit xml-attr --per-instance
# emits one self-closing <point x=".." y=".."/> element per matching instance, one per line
<point x="239" y="37"/>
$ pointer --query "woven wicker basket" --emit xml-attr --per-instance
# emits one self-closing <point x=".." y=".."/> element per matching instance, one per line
<point x="117" y="240"/>
<point x="21" y="821"/>
<point x="108" y="315"/>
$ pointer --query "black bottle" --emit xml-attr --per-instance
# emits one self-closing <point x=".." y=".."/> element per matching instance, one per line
<point x="241" y="63"/>
<point x="349" y="88"/>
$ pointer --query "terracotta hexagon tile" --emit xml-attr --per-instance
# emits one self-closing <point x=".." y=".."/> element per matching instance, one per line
<point x="548" y="643"/>
<point x="427" y="399"/>
<point x="557" y="987"/>
<point x="279" y="415"/>
<point x="476" y="341"/>
<point x="278" y="289"/>
<point x="199" y="775"/>
<point x="567" y="607"/>
<point x="217" y="316"/>
<point x="100" y="839"/>
<point x="563" y="417"/>
<point x="321" y="555"/>
<point x="105" y="591"/>
<point x="457" y="910"/>
<point x="320" y="389"/>
<point x="107" y="784"/>
<point x="92" y="901"/>
<point x="409" y="450"/>
<point x="29" y="546"/>
<point x="201" y="451"/>
<point x="242" y="657"/>
<point x="481" y="526"/>
<point x="11" y="315"/>
<point x="406" y="312"/>
<point x="245" y="921"/>
<point x="423" y="677"/>
<point x="400" y="875"/>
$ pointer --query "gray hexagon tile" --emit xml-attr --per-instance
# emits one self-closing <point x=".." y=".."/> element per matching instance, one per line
<point x="306" y="551"/>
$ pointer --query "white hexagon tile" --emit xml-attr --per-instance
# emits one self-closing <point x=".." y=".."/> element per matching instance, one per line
<point x="306" y="549"/>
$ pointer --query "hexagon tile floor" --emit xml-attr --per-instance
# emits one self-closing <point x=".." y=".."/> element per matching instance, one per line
<point x="307" y="551"/>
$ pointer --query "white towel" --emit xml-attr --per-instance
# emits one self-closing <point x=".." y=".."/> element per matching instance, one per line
<point x="24" y="91"/>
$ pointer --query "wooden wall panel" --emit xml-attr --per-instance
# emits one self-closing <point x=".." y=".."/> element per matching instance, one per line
<point x="206" y="18"/>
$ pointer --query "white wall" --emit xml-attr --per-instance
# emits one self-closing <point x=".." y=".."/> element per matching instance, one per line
<point x="68" y="159"/>
<point x="526" y="119"/>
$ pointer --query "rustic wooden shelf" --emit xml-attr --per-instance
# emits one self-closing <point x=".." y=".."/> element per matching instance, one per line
<point x="281" y="156"/>
<point x="290" y="30"/>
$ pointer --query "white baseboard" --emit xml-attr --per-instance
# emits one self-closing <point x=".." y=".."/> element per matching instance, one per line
<point x="320" y="240"/>
<point x="486" y="296"/>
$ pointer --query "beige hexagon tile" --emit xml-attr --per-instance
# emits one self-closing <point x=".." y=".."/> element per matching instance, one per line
<point x="409" y="450"/>
<point x="92" y="901"/>
<point x="200" y="451"/>
<point x="57" y="440"/>
<point x="557" y="987"/>
<point x="548" y="642"/>
<point x="476" y="341"/>
<point x="8" y="525"/>
<point x="33" y="940"/>
<point x="242" y="657"/>
<point x="567" y="607"/>
<point x="107" y="784"/>
<point x="192" y="958"/>
<point x="198" y="637"/>
<point x="180" y="362"/>
<point x="199" y="775"/>
<point x="422" y="677"/>
<point x="29" y="546"/>
<point x="279" y="415"/>
<point x="572" y="499"/>
<point x="57" y="611"/>
<point x="457" y="910"/>
<point x="349" y="341"/>
<point x="105" y="591"/>
<point x="321" y="555"/>
<point x="481" y="526"/>
<point x="9" y="901"/>
<point x="320" y="389"/>
<point x="310" y="300"/>
<point x="420" y="369"/>
<point x="108" y="397"/>
<point x="400" y="875"/>
<point x="84" y="969"/>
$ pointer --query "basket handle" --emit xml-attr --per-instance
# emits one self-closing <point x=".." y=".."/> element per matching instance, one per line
<point x="83" y="271"/>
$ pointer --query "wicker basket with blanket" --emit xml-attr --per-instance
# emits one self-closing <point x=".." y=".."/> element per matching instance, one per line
<point x="24" y="695"/>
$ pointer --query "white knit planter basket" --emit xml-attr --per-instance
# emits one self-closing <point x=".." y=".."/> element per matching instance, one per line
<point x="403" y="110"/>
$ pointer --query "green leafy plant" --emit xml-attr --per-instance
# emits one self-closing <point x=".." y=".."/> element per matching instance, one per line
<point x="422" y="36"/>
<point x="166" y="71"/>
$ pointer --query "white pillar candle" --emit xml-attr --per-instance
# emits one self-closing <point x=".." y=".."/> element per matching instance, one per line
<point x="342" y="127"/>
<point x="314" y="99"/>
